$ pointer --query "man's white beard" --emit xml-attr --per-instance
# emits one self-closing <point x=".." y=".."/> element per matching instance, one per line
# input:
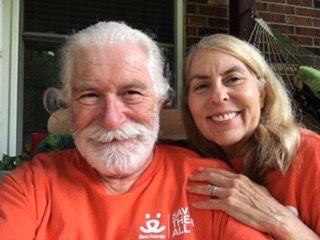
<point x="119" y="152"/>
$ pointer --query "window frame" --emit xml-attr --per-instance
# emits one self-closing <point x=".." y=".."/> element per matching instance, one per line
<point x="11" y="140"/>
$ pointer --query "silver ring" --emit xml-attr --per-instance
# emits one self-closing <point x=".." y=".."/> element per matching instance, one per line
<point x="212" y="190"/>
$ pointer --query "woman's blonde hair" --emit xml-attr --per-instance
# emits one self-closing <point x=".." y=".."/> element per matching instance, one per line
<point x="273" y="144"/>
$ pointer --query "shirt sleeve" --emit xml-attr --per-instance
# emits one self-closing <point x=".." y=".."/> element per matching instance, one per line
<point x="17" y="218"/>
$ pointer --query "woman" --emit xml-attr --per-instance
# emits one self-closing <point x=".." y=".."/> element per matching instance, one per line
<point x="237" y="110"/>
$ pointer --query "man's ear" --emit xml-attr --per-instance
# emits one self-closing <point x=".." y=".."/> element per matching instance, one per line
<point x="161" y="103"/>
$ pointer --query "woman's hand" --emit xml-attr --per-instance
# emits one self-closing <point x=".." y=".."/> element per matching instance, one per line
<point x="249" y="203"/>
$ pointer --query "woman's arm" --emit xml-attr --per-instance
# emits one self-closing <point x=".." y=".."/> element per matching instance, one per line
<point x="249" y="203"/>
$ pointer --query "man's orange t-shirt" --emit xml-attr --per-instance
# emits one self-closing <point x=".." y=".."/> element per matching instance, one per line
<point x="299" y="187"/>
<point x="59" y="196"/>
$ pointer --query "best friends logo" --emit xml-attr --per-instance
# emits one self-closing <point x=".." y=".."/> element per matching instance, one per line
<point x="181" y="223"/>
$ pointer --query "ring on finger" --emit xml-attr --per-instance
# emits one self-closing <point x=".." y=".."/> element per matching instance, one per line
<point x="212" y="190"/>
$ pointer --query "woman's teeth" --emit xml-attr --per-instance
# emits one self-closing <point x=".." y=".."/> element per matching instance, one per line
<point x="224" y="117"/>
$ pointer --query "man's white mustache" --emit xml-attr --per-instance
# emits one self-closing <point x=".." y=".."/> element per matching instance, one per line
<point x="130" y="130"/>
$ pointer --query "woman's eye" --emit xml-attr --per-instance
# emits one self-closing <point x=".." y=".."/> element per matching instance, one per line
<point x="200" y="87"/>
<point x="234" y="80"/>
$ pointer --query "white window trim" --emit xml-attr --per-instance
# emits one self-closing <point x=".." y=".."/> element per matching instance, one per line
<point x="9" y="78"/>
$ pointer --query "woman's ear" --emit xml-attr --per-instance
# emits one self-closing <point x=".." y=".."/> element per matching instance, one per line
<point x="262" y="96"/>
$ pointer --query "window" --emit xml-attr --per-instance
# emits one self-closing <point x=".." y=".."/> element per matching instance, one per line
<point x="47" y="23"/>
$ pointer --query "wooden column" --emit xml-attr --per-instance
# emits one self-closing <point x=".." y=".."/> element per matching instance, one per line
<point x="241" y="15"/>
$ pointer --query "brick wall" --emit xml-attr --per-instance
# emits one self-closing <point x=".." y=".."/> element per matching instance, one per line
<point x="205" y="17"/>
<point x="298" y="19"/>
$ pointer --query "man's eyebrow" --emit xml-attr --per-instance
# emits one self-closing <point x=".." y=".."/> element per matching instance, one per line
<point x="83" y="86"/>
<point x="134" y="84"/>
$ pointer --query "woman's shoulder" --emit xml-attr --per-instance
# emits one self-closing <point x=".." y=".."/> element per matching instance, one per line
<point x="309" y="140"/>
<point x="308" y="153"/>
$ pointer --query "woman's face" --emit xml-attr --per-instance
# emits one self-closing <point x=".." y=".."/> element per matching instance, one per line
<point x="224" y="99"/>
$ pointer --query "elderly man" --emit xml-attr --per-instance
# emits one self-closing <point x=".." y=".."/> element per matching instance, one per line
<point x="116" y="184"/>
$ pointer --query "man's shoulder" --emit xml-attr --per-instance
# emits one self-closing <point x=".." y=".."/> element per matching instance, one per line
<point x="43" y="167"/>
<point x="58" y="157"/>
<point x="180" y="155"/>
<point x="51" y="162"/>
<point x="176" y="150"/>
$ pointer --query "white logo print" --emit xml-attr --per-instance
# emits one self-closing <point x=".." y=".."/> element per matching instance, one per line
<point x="153" y="225"/>
<point x="181" y="221"/>
<point x="152" y="228"/>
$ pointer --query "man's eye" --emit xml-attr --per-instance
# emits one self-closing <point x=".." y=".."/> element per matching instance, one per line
<point x="133" y="93"/>
<point x="88" y="99"/>
<point x="132" y="96"/>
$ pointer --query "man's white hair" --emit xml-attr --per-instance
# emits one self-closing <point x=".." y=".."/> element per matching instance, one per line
<point x="104" y="34"/>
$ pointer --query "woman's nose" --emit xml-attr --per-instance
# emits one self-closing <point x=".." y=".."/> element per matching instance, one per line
<point x="219" y="94"/>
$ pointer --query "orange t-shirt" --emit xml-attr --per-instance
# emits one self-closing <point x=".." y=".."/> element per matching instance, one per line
<point x="299" y="188"/>
<point x="59" y="196"/>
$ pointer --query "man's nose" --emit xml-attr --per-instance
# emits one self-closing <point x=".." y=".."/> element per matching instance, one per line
<point x="113" y="115"/>
<point x="219" y="94"/>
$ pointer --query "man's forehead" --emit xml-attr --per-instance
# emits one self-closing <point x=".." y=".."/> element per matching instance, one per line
<point x="122" y="84"/>
<point x="127" y="48"/>
<point x="131" y="57"/>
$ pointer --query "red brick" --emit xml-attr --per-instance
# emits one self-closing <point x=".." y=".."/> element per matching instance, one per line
<point x="207" y="31"/>
<point x="197" y="20"/>
<point x="316" y="22"/>
<point x="302" y="40"/>
<point x="191" y="8"/>
<point x="308" y="12"/>
<point x="214" y="11"/>
<point x="308" y="31"/>
<point x="277" y="1"/>
<point x="277" y="8"/>
<point x="192" y="31"/>
<point x="299" y="21"/>
<point x="261" y="6"/>
<point x="191" y="41"/>
<point x="300" y="2"/>
<point x="270" y="17"/>
<point x="282" y="28"/>
<point x="218" y="22"/>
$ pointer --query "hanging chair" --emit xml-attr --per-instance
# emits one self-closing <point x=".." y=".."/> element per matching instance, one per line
<point x="298" y="67"/>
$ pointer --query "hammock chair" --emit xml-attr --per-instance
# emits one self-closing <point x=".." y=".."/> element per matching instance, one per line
<point x="298" y="67"/>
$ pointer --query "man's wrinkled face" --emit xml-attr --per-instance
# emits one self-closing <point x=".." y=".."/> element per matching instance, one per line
<point x="114" y="108"/>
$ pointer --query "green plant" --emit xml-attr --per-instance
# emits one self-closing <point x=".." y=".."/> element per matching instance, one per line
<point x="11" y="162"/>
